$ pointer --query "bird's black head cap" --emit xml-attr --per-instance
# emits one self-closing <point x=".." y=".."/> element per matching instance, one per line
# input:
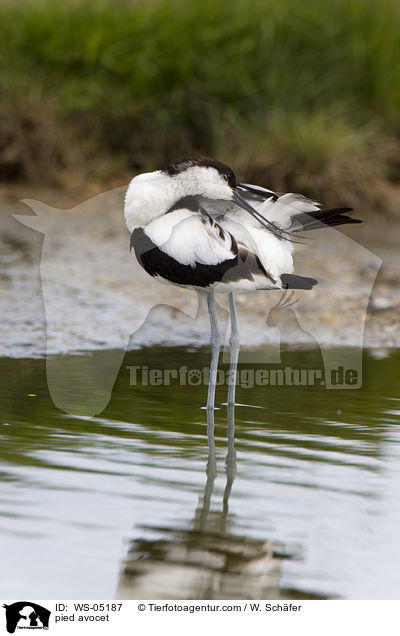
<point x="207" y="162"/>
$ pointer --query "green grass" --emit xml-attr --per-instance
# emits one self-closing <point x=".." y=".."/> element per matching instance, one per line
<point x="295" y="94"/>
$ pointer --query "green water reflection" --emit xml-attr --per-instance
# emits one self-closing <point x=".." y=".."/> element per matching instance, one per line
<point x="300" y="503"/>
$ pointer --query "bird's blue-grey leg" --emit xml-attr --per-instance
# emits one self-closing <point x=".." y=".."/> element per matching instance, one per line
<point x="216" y="340"/>
<point x="234" y="343"/>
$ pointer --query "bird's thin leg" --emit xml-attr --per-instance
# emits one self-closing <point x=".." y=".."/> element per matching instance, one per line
<point x="215" y="340"/>
<point x="234" y="343"/>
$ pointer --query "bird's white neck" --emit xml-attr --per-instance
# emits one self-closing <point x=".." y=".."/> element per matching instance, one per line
<point x="149" y="196"/>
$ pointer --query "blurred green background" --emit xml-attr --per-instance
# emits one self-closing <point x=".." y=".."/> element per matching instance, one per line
<point x="297" y="96"/>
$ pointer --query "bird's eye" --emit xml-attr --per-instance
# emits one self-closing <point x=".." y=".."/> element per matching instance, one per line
<point x="230" y="177"/>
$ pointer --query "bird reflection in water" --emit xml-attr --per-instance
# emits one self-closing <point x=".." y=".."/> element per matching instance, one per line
<point x="284" y="318"/>
<point x="207" y="560"/>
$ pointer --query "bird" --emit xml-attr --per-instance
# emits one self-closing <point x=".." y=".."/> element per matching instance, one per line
<point x="192" y="224"/>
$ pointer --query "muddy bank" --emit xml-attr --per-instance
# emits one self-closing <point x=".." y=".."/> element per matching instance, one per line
<point x="69" y="282"/>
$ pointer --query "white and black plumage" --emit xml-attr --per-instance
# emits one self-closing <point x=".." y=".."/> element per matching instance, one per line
<point x="194" y="226"/>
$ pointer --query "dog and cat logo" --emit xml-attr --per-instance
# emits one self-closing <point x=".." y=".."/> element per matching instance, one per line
<point x="26" y="615"/>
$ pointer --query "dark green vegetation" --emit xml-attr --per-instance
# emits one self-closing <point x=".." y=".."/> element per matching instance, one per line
<point x="302" y="96"/>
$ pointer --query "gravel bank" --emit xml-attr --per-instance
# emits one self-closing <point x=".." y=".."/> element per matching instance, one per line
<point x="80" y="289"/>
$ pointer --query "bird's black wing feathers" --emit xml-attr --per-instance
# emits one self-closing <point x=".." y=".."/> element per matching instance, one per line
<point x="293" y="281"/>
<point x="323" y="218"/>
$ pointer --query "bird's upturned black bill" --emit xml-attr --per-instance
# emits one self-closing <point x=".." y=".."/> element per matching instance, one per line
<point x="241" y="202"/>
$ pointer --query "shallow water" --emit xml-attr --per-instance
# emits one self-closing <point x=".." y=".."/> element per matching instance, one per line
<point x="136" y="503"/>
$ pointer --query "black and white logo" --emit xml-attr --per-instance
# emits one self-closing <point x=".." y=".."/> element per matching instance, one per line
<point x="26" y="615"/>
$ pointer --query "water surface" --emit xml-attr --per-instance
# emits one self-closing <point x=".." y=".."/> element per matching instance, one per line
<point x="137" y="502"/>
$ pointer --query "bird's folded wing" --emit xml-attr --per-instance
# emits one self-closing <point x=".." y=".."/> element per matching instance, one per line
<point x="188" y="247"/>
<point x="191" y="238"/>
